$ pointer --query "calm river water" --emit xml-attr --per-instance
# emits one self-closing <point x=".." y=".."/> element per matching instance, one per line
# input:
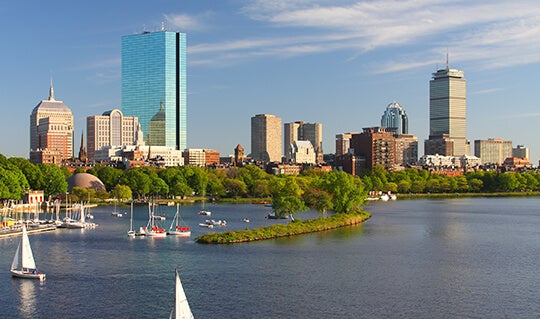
<point x="452" y="258"/>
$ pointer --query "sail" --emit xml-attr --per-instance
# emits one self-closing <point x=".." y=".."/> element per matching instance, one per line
<point x="16" y="260"/>
<point x="82" y="218"/>
<point x="181" y="306"/>
<point x="26" y="251"/>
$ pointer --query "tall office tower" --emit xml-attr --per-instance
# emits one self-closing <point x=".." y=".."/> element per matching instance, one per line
<point x="112" y="128"/>
<point x="266" y="138"/>
<point x="394" y="116"/>
<point x="51" y="131"/>
<point x="300" y="131"/>
<point x="447" y="113"/>
<point x="154" y="76"/>
<point x="493" y="150"/>
<point x="343" y="143"/>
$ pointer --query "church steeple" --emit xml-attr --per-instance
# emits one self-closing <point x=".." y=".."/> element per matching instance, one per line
<point x="82" y="150"/>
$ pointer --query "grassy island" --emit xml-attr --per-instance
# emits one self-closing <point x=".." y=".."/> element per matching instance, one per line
<point x="280" y="230"/>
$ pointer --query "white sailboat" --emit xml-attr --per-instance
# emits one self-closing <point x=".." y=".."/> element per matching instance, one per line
<point x="23" y="265"/>
<point x="131" y="232"/>
<point x="178" y="230"/>
<point x="181" y="306"/>
<point x="152" y="229"/>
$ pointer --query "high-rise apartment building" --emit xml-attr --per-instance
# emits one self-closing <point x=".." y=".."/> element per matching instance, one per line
<point x="301" y="131"/>
<point x="266" y="138"/>
<point x="493" y="150"/>
<point x="154" y="80"/>
<point x="447" y="113"/>
<point x="112" y="128"/>
<point x="377" y="145"/>
<point x="51" y="131"/>
<point x="395" y="117"/>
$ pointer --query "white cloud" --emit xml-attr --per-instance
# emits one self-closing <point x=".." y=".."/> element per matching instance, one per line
<point x="490" y="33"/>
<point x="185" y="22"/>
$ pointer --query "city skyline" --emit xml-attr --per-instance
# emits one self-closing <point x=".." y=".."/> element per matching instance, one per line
<point x="336" y="63"/>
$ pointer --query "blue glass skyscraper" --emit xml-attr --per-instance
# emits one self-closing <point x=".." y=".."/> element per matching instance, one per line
<point x="153" y="81"/>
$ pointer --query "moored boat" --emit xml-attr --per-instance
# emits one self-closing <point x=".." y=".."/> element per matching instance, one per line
<point x="179" y="230"/>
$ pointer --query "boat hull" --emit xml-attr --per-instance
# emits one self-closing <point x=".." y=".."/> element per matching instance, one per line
<point x="154" y="234"/>
<point x="180" y="233"/>
<point x="27" y="275"/>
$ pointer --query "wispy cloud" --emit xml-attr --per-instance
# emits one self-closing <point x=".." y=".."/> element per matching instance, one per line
<point x="187" y="22"/>
<point x="490" y="33"/>
<point x="486" y="91"/>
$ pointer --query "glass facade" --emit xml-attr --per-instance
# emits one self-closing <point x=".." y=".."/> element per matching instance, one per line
<point x="395" y="116"/>
<point x="154" y="74"/>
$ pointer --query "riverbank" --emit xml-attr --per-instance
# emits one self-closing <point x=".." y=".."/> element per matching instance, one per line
<point x="287" y="230"/>
<point x="465" y="195"/>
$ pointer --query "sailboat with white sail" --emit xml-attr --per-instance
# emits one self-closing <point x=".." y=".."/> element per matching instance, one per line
<point x="152" y="229"/>
<point x="178" y="230"/>
<point x="181" y="308"/>
<point x="131" y="232"/>
<point x="23" y="265"/>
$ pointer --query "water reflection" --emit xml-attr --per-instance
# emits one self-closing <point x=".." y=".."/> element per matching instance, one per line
<point x="27" y="291"/>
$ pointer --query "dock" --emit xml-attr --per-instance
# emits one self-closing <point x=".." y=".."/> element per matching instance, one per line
<point x="5" y="233"/>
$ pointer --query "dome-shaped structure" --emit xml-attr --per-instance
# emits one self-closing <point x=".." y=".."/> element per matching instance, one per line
<point x="85" y="180"/>
<point x="395" y="117"/>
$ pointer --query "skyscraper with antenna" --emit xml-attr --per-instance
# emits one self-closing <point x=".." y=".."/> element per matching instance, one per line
<point x="447" y="113"/>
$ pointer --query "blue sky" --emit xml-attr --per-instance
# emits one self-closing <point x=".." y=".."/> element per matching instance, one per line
<point x="339" y="63"/>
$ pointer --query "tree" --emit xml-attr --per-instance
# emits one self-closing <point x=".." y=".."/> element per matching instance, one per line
<point x="404" y="186"/>
<point x="110" y="176"/>
<point x="286" y="196"/>
<point x="54" y="180"/>
<point x="318" y="199"/>
<point x="13" y="187"/>
<point x="33" y="174"/>
<point x="261" y="188"/>
<point x="250" y="175"/>
<point x="235" y="187"/>
<point x="347" y="191"/>
<point x="138" y="182"/>
<point x="122" y="192"/>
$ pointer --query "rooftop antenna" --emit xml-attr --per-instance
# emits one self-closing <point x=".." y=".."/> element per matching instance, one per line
<point x="51" y="91"/>
<point x="447" y="58"/>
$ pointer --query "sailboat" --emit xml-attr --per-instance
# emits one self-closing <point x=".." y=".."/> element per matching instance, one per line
<point x="23" y="265"/>
<point x="181" y="308"/>
<point x="183" y="231"/>
<point x="116" y="213"/>
<point x="152" y="229"/>
<point x="204" y="211"/>
<point x="131" y="232"/>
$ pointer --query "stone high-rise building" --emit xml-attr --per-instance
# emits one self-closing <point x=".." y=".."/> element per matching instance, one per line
<point x="51" y="131"/>
<point x="111" y="129"/>
<point x="266" y="138"/>
<point x="301" y="131"/>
